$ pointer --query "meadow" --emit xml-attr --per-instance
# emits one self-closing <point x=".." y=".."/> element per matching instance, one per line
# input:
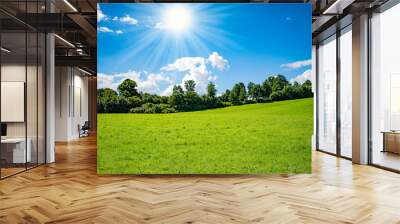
<point x="249" y="139"/>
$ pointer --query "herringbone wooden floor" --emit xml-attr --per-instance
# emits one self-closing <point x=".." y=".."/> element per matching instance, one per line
<point x="70" y="191"/>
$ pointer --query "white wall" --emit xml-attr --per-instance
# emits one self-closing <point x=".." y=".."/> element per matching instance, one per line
<point x="71" y="102"/>
<point x="62" y="82"/>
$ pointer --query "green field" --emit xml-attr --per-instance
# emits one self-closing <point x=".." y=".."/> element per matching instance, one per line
<point x="249" y="139"/>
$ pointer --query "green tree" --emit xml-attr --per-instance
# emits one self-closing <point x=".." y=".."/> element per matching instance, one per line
<point x="192" y="101"/>
<point x="190" y="85"/>
<point x="107" y="101"/>
<point x="277" y="82"/>
<point x="151" y="98"/>
<point x="297" y="90"/>
<point x="288" y="92"/>
<point x="177" y="98"/>
<point x="128" y="88"/>
<point x="242" y="92"/>
<point x="210" y="99"/>
<point x="250" y="90"/>
<point x="234" y="94"/>
<point x="257" y="92"/>
<point x="266" y="89"/>
<point x="211" y="91"/>
<point x="134" y="101"/>
<point x="225" y="96"/>
<point x="106" y="92"/>
<point x="307" y="84"/>
<point x="307" y="89"/>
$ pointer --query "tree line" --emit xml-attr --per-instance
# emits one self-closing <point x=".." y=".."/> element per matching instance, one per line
<point x="127" y="99"/>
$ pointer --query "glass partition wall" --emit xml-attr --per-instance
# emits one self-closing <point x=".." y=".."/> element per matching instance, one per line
<point x="345" y="90"/>
<point x="22" y="78"/>
<point x="334" y="93"/>
<point x="334" y="90"/>
<point x="385" y="89"/>
<point x="327" y="95"/>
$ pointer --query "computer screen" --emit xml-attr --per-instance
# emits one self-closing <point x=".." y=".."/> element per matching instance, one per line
<point x="3" y="129"/>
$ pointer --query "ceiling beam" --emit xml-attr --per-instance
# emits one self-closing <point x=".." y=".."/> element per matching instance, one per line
<point x="78" y="61"/>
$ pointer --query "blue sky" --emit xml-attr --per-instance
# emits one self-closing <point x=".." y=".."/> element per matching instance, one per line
<point x="161" y="45"/>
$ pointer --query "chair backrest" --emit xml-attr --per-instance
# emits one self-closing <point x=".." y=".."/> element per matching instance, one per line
<point x="86" y="125"/>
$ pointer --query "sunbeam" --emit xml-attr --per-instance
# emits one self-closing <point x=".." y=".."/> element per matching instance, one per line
<point x="174" y="31"/>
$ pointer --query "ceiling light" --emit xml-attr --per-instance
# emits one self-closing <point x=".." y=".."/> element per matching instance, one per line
<point x="86" y="72"/>
<point x="337" y="7"/>
<point x="65" y="41"/>
<point x="5" y="50"/>
<point x="70" y="5"/>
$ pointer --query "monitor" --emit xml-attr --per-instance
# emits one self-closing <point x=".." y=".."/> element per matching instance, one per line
<point x="3" y="129"/>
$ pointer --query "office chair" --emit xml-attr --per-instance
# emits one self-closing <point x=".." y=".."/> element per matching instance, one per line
<point x="84" y="130"/>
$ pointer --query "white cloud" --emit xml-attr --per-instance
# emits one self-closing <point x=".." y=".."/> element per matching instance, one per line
<point x="184" y="64"/>
<point x="218" y="61"/>
<point x="134" y="75"/>
<point x="303" y="77"/>
<point x="105" y="81"/>
<point x="168" y="90"/>
<point x="100" y="15"/>
<point x="197" y="69"/>
<point x="193" y="68"/>
<point x="152" y="83"/>
<point x="105" y="29"/>
<point x="160" y="26"/>
<point x="297" y="64"/>
<point x="149" y="83"/>
<point x="129" y="20"/>
<point x="113" y="80"/>
<point x="115" y="18"/>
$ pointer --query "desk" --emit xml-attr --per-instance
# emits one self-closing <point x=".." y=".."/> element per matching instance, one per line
<point x="391" y="141"/>
<point x="16" y="147"/>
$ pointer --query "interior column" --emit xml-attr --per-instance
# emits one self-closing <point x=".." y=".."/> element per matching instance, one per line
<point x="360" y="90"/>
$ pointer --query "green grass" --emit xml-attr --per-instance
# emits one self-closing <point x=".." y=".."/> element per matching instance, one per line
<point x="249" y="139"/>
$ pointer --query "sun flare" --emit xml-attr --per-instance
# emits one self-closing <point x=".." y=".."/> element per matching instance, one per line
<point x="178" y="19"/>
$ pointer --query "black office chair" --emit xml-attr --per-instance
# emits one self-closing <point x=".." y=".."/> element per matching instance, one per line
<point x="84" y="130"/>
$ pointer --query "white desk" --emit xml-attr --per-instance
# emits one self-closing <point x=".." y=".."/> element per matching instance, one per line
<point x="19" y="154"/>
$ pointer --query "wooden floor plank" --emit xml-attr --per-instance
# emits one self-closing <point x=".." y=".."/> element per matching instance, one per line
<point x="70" y="191"/>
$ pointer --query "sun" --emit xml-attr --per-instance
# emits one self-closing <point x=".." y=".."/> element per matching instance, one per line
<point x="177" y="18"/>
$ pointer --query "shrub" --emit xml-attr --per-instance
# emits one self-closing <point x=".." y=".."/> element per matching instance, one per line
<point x="151" y="108"/>
<point x="169" y="110"/>
<point x="137" y="110"/>
<point x="226" y="104"/>
<point x="277" y="95"/>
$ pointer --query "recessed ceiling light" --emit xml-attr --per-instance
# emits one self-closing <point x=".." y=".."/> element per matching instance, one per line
<point x="70" y="5"/>
<point x="86" y="72"/>
<point x="64" y="40"/>
<point x="5" y="50"/>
